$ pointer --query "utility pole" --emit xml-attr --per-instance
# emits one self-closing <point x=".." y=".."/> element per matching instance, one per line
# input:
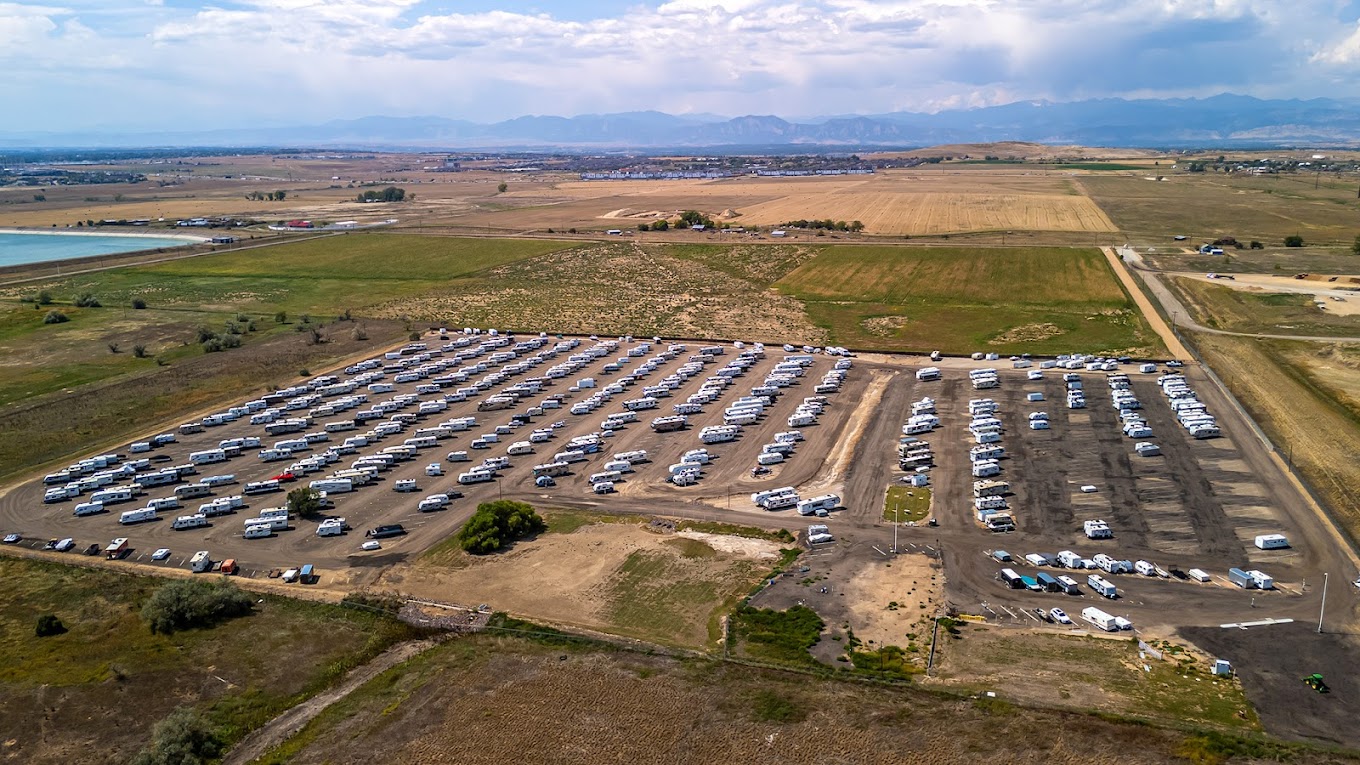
<point x="897" y="521"/>
<point x="1323" y="609"/>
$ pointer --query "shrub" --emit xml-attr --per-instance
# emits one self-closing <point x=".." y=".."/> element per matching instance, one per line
<point x="414" y="337"/>
<point x="113" y="347"/>
<point x="87" y="300"/>
<point x="139" y="351"/>
<point x="1293" y="241"/>
<point x="771" y="707"/>
<point x="182" y="738"/>
<point x="233" y="328"/>
<point x="780" y="635"/>
<point x="358" y="333"/>
<point x="1255" y="245"/>
<point x="193" y="604"/>
<point x="55" y="317"/>
<point x="281" y="317"/>
<point x="230" y="341"/>
<point x="138" y="303"/>
<point x="44" y="298"/>
<point x="496" y="524"/>
<point x="212" y="345"/>
<point x="49" y="625"/>
<point x="205" y="334"/>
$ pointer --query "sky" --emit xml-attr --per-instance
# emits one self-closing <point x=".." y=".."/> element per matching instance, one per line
<point x="180" y="64"/>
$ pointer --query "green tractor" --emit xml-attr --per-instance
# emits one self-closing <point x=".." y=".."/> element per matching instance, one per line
<point x="1314" y="681"/>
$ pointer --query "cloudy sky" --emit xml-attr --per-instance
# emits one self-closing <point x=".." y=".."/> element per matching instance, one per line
<point x="158" y="64"/>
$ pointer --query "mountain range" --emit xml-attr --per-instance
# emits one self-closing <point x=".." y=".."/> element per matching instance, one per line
<point x="1220" y="121"/>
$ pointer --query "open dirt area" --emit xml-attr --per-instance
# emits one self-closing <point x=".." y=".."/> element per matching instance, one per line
<point x="1339" y="297"/>
<point x="617" y="577"/>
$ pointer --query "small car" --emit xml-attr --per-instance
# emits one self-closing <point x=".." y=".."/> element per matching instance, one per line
<point x="371" y="545"/>
<point x="161" y="554"/>
<point x="285" y="477"/>
<point x="92" y="549"/>
<point x="1059" y="616"/>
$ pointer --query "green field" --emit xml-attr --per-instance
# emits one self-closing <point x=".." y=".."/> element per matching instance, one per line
<point x="960" y="300"/>
<point x="108" y="679"/>
<point x="906" y="504"/>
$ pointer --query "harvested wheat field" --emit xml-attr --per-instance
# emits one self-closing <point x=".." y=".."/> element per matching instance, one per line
<point x="936" y="213"/>
<point x="569" y="704"/>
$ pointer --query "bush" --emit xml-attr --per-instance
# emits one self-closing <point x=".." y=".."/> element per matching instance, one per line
<point x="230" y="341"/>
<point x="1293" y="241"/>
<point x="87" y="300"/>
<point x="138" y="303"/>
<point x="113" y="347"/>
<point x="55" y="317"/>
<point x="496" y="524"/>
<point x="358" y="333"/>
<point x="205" y="334"/>
<point x="1255" y="245"/>
<point x="49" y="625"/>
<point x="182" y="738"/>
<point x="194" y="604"/>
<point x="780" y="635"/>
<point x="212" y="345"/>
<point x="139" y="351"/>
<point x="44" y="298"/>
<point x="281" y="317"/>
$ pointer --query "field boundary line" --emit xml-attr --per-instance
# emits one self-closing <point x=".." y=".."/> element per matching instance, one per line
<point x="1154" y="318"/>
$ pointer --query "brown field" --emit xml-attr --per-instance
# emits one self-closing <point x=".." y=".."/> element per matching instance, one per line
<point x="619" y="577"/>
<point x="582" y="705"/>
<point x="920" y="201"/>
<point x="935" y="212"/>
<point x="1020" y="150"/>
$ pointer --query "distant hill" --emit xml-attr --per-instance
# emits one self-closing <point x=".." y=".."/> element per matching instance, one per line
<point x="1221" y="121"/>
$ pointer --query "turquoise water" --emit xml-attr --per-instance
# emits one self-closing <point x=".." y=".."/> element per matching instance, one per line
<point x="18" y="249"/>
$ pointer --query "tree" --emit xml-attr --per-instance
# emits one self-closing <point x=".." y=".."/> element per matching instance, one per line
<point x="1355" y="246"/>
<point x="281" y="317"/>
<point x="304" y="502"/>
<point x="1294" y="240"/>
<point x="856" y="226"/>
<point x="194" y="603"/>
<point x="359" y="333"/>
<point x="502" y="187"/>
<point x="1255" y="245"/>
<point x="496" y="524"/>
<point x="661" y="225"/>
<point x="49" y="625"/>
<point x="278" y="196"/>
<point x="138" y="303"/>
<point x="182" y="738"/>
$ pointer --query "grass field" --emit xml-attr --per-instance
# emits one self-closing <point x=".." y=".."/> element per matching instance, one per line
<point x="906" y="504"/>
<point x="452" y="704"/>
<point x="959" y="300"/>
<point x="93" y="693"/>
<point x="1280" y="313"/>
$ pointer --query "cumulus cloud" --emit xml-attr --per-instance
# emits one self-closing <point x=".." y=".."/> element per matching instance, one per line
<point x="301" y="60"/>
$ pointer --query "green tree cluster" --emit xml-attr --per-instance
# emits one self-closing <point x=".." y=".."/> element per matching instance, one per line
<point x="693" y="218"/>
<point x="193" y="603"/>
<point x="496" y="524"/>
<point x="1293" y="240"/>
<point x="389" y="194"/>
<point x="827" y="224"/>
<point x="304" y="502"/>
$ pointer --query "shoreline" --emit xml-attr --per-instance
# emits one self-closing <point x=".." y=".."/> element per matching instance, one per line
<point x="187" y="238"/>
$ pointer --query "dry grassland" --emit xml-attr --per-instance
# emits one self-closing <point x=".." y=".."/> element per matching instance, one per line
<point x="618" y="577"/>
<point x="578" y="706"/>
<point x="626" y="288"/>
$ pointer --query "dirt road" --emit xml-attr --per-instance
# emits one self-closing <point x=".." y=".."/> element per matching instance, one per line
<point x="283" y="727"/>
<point x="1159" y="325"/>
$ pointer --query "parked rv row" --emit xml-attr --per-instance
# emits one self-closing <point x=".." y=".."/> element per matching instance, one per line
<point x="1192" y="414"/>
<point x="786" y="497"/>
<point x="989" y="493"/>
<point x="1045" y="582"/>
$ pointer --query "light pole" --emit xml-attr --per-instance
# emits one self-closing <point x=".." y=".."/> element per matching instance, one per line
<point x="1323" y="609"/>
<point x="897" y="521"/>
